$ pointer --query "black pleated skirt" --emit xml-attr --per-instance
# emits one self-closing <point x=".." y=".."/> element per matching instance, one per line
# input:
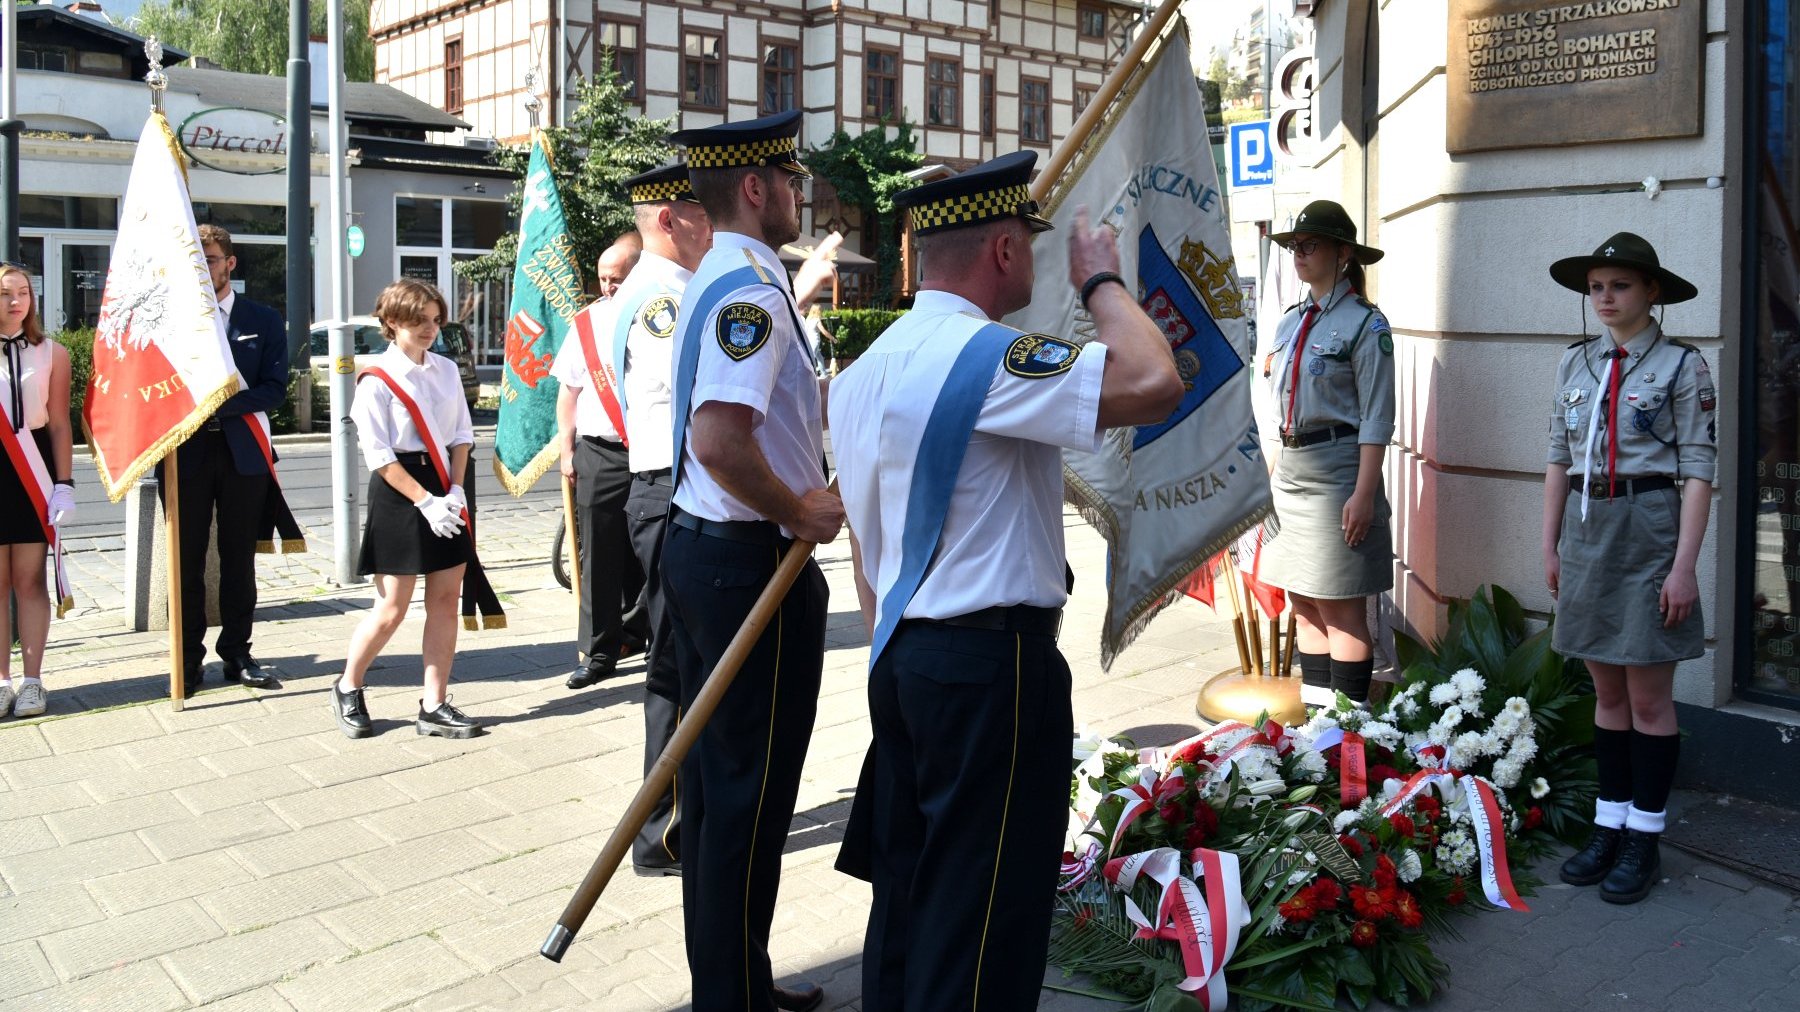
<point x="396" y="539"/>
<point x="19" y="522"/>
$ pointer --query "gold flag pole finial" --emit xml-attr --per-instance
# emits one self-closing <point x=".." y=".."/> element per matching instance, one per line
<point x="156" y="79"/>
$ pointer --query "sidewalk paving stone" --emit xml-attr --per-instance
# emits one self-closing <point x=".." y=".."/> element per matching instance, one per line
<point x="135" y="987"/>
<point x="155" y="885"/>
<point x="23" y="969"/>
<point x="215" y="831"/>
<point x="248" y="960"/>
<point x="74" y="863"/>
<point x="40" y="912"/>
<point x="282" y="897"/>
<point x="128" y="938"/>
<point x="380" y="979"/>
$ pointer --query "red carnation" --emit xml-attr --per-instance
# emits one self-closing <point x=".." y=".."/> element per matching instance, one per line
<point x="1383" y="756"/>
<point x="1429" y="806"/>
<point x="1406" y="910"/>
<point x="1326" y="893"/>
<point x="1534" y="817"/>
<point x="1370" y="903"/>
<point x="1364" y="935"/>
<point x="1385" y="872"/>
<point x="1379" y="773"/>
<point x="1171" y="813"/>
<point x="1350" y="845"/>
<point x="1403" y="824"/>
<point x="1300" y="908"/>
<point x="1084" y="918"/>
<point x="1456" y="897"/>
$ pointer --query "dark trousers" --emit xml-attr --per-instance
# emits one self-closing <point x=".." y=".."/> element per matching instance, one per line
<point x="612" y="613"/>
<point x="971" y="804"/>
<point x="212" y="487"/>
<point x="743" y="775"/>
<point x="646" y="515"/>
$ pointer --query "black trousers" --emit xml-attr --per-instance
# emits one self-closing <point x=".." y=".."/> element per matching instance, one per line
<point x="743" y="775"/>
<point x="212" y="487"/>
<point x="612" y="612"/>
<point x="971" y="803"/>
<point x="646" y="516"/>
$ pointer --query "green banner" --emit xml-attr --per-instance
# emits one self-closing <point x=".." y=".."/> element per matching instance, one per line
<point x="547" y="293"/>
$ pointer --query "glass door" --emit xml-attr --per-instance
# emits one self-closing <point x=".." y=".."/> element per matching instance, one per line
<point x="83" y="283"/>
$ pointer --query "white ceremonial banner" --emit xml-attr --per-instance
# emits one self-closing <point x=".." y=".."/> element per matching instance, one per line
<point x="1166" y="497"/>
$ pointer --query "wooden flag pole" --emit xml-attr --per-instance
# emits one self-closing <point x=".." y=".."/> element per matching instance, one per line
<point x="171" y="489"/>
<point x="569" y="539"/>
<point x="1230" y="574"/>
<point x="587" y="894"/>
<point x="1254" y="621"/>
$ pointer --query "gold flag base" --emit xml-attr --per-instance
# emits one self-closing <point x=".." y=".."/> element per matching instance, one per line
<point x="1233" y="695"/>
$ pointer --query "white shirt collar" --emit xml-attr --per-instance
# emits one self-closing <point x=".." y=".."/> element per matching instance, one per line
<point x="395" y="359"/>
<point x="653" y="269"/>
<point x="932" y="300"/>
<point x="759" y="249"/>
<point x="228" y="301"/>
<point x="1339" y="293"/>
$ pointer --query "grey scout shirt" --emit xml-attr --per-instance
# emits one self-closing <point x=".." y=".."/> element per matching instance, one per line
<point x="1346" y="369"/>
<point x="1666" y="404"/>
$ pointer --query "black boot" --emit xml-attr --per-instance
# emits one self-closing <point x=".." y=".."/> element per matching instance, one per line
<point x="351" y="713"/>
<point x="1597" y="860"/>
<point x="447" y="721"/>
<point x="1638" y="868"/>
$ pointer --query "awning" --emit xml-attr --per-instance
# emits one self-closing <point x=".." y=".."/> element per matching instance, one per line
<point x="794" y="253"/>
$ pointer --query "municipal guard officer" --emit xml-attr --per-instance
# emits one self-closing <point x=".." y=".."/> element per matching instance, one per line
<point x="950" y="431"/>
<point x="641" y="342"/>
<point x="748" y="483"/>
<point x="1332" y="372"/>
<point x="1626" y="496"/>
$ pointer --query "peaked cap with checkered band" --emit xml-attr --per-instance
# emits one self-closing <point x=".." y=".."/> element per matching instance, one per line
<point x="989" y="191"/>
<point x="765" y="141"/>
<point x="659" y="186"/>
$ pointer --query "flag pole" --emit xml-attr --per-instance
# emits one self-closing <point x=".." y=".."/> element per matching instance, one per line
<point x="568" y="490"/>
<point x="1132" y="62"/>
<point x="1253" y="622"/>
<point x="1237" y="615"/>
<point x="562" y="934"/>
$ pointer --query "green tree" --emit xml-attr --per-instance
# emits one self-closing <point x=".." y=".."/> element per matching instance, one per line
<point x="1217" y="71"/>
<point x="867" y="171"/>
<point x="251" y="36"/>
<point x="604" y="144"/>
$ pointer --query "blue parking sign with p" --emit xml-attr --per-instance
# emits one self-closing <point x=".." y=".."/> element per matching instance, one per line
<point x="1252" y="157"/>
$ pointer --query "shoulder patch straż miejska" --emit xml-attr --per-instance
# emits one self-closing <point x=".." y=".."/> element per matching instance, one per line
<point x="658" y="316"/>
<point x="743" y="328"/>
<point x="1035" y="356"/>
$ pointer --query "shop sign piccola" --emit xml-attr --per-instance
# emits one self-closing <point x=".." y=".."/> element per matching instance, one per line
<point x="210" y="133"/>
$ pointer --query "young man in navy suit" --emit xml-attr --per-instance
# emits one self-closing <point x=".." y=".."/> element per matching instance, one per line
<point x="226" y="471"/>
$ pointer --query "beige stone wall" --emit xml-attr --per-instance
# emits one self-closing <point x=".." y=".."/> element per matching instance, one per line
<point x="1479" y="326"/>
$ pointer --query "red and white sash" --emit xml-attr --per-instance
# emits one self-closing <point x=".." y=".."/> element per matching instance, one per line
<point x="478" y="594"/>
<point x="599" y="373"/>
<point x="34" y="475"/>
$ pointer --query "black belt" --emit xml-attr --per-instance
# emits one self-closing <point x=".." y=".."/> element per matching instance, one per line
<point x="603" y="441"/>
<point x="1622" y="487"/>
<point x="1027" y="619"/>
<point x="745" y="532"/>
<point x="1295" y="440"/>
<point x="662" y="476"/>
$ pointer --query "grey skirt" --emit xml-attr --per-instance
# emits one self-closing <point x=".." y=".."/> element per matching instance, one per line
<point x="1308" y="556"/>
<point x="1613" y="568"/>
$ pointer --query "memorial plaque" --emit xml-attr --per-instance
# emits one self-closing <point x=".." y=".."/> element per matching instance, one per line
<point x="1538" y="73"/>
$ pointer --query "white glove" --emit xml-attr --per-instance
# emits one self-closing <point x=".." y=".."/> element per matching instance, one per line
<point x="456" y="498"/>
<point x="445" y="522"/>
<point x="62" y="504"/>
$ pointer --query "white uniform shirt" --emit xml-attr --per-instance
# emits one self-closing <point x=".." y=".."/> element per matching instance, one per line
<point x="650" y="363"/>
<point x="1002" y="542"/>
<point x="776" y="380"/>
<point x="34" y="382"/>
<point x="571" y="370"/>
<point x="383" y="425"/>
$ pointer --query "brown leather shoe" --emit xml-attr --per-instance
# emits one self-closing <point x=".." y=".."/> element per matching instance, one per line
<point x="801" y="998"/>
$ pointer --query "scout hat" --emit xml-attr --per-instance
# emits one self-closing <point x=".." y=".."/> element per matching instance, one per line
<point x="989" y="191"/>
<point x="765" y="141"/>
<point x="1328" y="220"/>
<point x="661" y="185"/>
<point x="1623" y="250"/>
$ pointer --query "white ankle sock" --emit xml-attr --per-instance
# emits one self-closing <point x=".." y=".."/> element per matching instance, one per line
<point x="429" y="702"/>
<point x="1645" y="822"/>
<point x="344" y="686"/>
<point x="1611" y="814"/>
<point x="33" y="681"/>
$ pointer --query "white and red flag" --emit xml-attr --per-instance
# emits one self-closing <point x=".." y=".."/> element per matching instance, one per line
<point x="162" y="363"/>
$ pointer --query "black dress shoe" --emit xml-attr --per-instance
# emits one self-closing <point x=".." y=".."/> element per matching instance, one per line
<point x="352" y="715"/>
<point x="655" y="869"/>
<point x="190" y="683"/>
<point x="799" y="999"/>
<point x="447" y="721"/>
<point x="1638" y="868"/>
<point x="1594" y="862"/>
<point x="582" y="678"/>
<point x="248" y="671"/>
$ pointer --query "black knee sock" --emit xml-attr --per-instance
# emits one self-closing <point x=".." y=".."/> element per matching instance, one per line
<point x="1613" y="757"/>
<point x="1653" y="758"/>
<point x="1315" y="679"/>
<point x="1352" y="678"/>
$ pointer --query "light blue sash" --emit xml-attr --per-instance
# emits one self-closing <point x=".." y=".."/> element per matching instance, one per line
<point x="940" y="457"/>
<point x="628" y="311"/>
<point x="687" y="362"/>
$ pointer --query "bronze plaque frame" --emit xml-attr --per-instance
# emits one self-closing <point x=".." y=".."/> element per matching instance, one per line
<point x="1547" y="73"/>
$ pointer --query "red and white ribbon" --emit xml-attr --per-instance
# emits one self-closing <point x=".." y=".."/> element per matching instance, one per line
<point x="1147" y="795"/>
<point x="1077" y="871"/>
<point x="1353" y="764"/>
<point x="1481" y="801"/>
<point x="1204" y="925"/>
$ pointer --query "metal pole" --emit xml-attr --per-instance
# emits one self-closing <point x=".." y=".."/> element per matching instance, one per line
<point x="343" y="358"/>
<point x="9" y="132"/>
<point x="299" y="180"/>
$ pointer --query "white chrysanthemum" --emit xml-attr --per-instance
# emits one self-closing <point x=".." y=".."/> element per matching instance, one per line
<point x="1468" y="747"/>
<point x="1407" y="708"/>
<point x="1311" y="765"/>
<point x="1524" y="749"/>
<point x="1468" y="683"/>
<point x="1507" y="772"/>
<point x="1443" y="694"/>
<point x="1505" y="725"/>
<point x="1277" y="925"/>
<point x="1344" y="820"/>
<point x="1382" y="733"/>
<point x="1540" y="787"/>
<point x="1410" y="867"/>
<point x="1518" y="707"/>
<point x="1415" y="740"/>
